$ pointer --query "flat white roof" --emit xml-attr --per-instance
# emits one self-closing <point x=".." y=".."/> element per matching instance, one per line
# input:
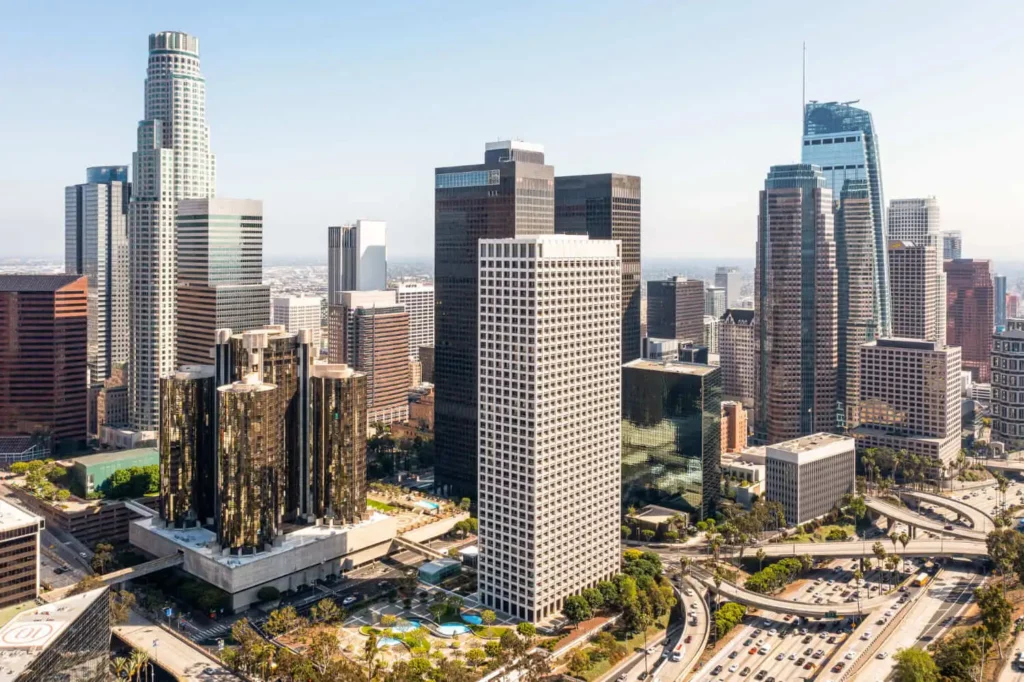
<point x="514" y="144"/>
<point x="810" y="448"/>
<point x="13" y="517"/>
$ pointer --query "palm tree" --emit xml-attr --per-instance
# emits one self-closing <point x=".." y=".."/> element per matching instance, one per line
<point x="895" y="538"/>
<point x="121" y="665"/>
<point x="904" y="539"/>
<point x="138" y="660"/>
<point x="684" y="564"/>
<point x="858" y="575"/>
<point x="760" y="558"/>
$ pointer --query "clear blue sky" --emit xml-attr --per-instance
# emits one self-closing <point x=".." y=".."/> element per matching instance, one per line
<point x="338" y="110"/>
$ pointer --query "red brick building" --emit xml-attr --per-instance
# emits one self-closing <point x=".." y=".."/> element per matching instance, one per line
<point x="970" y="312"/>
<point x="43" y="370"/>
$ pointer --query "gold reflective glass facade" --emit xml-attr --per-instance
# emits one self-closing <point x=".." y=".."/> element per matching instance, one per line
<point x="338" y="445"/>
<point x="187" y="448"/>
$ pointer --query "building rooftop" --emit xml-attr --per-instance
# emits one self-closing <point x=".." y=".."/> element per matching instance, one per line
<point x="39" y="283"/>
<point x="809" y="443"/>
<point x="910" y="344"/>
<point x="739" y="315"/>
<point x="13" y="517"/>
<point x="691" y="368"/>
<point x="113" y="456"/>
<point x="514" y="144"/>
<point x="15" y="445"/>
<point x="30" y="632"/>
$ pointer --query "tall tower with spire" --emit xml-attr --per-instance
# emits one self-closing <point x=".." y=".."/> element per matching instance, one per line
<point x="172" y="162"/>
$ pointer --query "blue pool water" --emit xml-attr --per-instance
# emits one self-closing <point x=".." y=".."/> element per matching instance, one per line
<point x="388" y="641"/>
<point x="452" y="629"/>
<point x="473" y="620"/>
<point x="406" y="627"/>
<point x="432" y="506"/>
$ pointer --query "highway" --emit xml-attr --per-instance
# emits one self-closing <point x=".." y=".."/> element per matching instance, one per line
<point x="910" y="518"/>
<point x="979" y="519"/>
<point x="856" y="549"/>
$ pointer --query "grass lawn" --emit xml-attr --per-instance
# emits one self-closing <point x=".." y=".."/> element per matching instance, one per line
<point x="380" y="506"/>
<point x="635" y="642"/>
<point x="820" y="534"/>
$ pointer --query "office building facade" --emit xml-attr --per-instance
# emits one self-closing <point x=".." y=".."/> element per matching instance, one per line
<point x="1008" y="385"/>
<point x="714" y="301"/>
<point x="671" y="436"/>
<point x="810" y="475"/>
<point x="1012" y="305"/>
<point x="96" y="245"/>
<point x="298" y="312"/>
<point x="220" y="273"/>
<point x="918" y="221"/>
<point x="736" y="355"/>
<point x="44" y="358"/>
<point x="796" y="314"/>
<point x="970" y="312"/>
<point x="734" y="427"/>
<point x="952" y="245"/>
<point x="910" y="398"/>
<point x="335" y="264"/>
<point x="842" y="141"/>
<point x="511" y="194"/>
<point x="728" y="278"/>
<point x="999" y="285"/>
<point x="418" y="300"/>
<point x="188" y="483"/>
<point x="675" y="309"/>
<point x="607" y="206"/>
<point x="357" y="258"/>
<point x="549" y="438"/>
<point x="916" y="313"/>
<point x="172" y="162"/>
<point x="338" y="443"/>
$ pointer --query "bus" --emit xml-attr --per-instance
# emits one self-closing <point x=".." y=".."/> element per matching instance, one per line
<point x="677" y="652"/>
<point x="921" y="580"/>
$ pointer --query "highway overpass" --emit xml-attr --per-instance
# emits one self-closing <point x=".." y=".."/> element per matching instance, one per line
<point x="979" y="519"/>
<point x="845" y="550"/>
<point x="913" y="520"/>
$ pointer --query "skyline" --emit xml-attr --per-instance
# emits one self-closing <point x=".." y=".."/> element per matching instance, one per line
<point x="367" y="134"/>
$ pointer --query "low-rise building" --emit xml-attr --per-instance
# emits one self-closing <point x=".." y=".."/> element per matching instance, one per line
<point x="810" y="475"/>
<point x="19" y="555"/>
<point x="91" y="473"/>
<point x="734" y="426"/>
<point x="90" y="521"/>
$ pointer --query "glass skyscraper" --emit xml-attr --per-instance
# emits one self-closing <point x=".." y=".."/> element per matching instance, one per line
<point x="841" y="140"/>
<point x="671" y="436"/>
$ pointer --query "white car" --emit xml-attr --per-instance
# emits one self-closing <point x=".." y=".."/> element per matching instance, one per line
<point x="733" y="668"/>
<point x="348" y="600"/>
<point x="882" y="655"/>
<point x="850" y="655"/>
<point x="866" y="636"/>
<point x="773" y="632"/>
<point x="780" y="657"/>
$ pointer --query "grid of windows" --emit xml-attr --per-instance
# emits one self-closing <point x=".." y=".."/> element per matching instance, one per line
<point x="467" y="179"/>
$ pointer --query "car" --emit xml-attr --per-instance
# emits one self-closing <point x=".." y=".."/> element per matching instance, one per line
<point x="757" y="632"/>
<point x="880" y="621"/>
<point x="800" y="661"/>
<point x="58" y="570"/>
<point x="803" y="631"/>
<point x="349" y="600"/>
<point x="208" y="671"/>
<point x="831" y="640"/>
<point x="642" y="675"/>
<point x="807" y="639"/>
<point x="734" y="654"/>
<point x="748" y="641"/>
<point x="764" y="650"/>
<point x="808" y="651"/>
<point x="621" y="678"/>
<point x="745" y="671"/>
<point x="866" y="636"/>
<point x="717" y="669"/>
<point x="733" y="668"/>
<point x="761" y="675"/>
<point x="819" y="653"/>
<point x="688" y="592"/>
<point x="882" y="655"/>
<point x="780" y="657"/>
<point x="688" y="639"/>
<point x="766" y="623"/>
<point x="787" y="617"/>
<point x="650" y="651"/>
<point x="83" y="555"/>
<point x="694" y="605"/>
<point x="753" y="650"/>
<point x="838" y="667"/>
<point x="850" y="655"/>
<point x="792" y="657"/>
<point x="809" y="665"/>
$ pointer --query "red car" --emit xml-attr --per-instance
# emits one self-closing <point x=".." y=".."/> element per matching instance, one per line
<point x="689" y="638"/>
<point x="753" y="650"/>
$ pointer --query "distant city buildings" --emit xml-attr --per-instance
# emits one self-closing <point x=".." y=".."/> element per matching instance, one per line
<point x="842" y="141"/>
<point x="220" y="273"/>
<point x="709" y="338"/>
<point x="1007" y="382"/>
<point x="970" y="300"/>
<point x="96" y="245"/>
<point x="298" y="312"/>
<point x="734" y="427"/>
<point x="736" y="355"/>
<point x="418" y="300"/>
<point x="44" y="358"/>
<point x="728" y="278"/>
<point x="910" y="398"/>
<point x="714" y="301"/>
<point x="607" y="206"/>
<point x="471" y="203"/>
<point x="671" y="436"/>
<point x="549" y="429"/>
<point x="1012" y="305"/>
<point x="675" y="309"/>
<point x="172" y="162"/>
<point x="796" y="289"/>
<point x="999" y="284"/>
<point x="952" y="245"/>
<point x="810" y="475"/>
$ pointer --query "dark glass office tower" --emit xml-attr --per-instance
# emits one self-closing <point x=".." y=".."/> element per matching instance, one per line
<point x="188" y="412"/>
<point x="671" y="436"/>
<point x="841" y="140"/>
<point x="511" y="194"/>
<point x="607" y="206"/>
<point x="675" y="309"/>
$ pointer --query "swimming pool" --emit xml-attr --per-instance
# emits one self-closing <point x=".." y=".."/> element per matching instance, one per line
<point x="432" y="506"/>
<point x="452" y="629"/>
<point x="473" y="620"/>
<point x="388" y="641"/>
<point x="406" y="627"/>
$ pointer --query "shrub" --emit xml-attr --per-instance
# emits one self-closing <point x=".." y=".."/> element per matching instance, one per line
<point x="268" y="593"/>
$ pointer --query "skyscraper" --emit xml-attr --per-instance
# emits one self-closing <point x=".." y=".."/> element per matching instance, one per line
<point x="999" y="283"/>
<point x="335" y="264"/>
<point x="1012" y="305"/>
<point x="357" y="258"/>
<point x="858" y="316"/>
<point x="841" y="140"/>
<point x="298" y="312"/>
<point x="671" y="436"/>
<point x="736" y="355"/>
<point x="607" y="206"/>
<point x="338" y="443"/>
<point x="729" y="279"/>
<point x="795" y="290"/>
<point x="1007" y="378"/>
<point x="549" y="332"/>
<point x="173" y="162"/>
<point x="952" y="244"/>
<point x="715" y="302"/>
<point x="675" y="309"/>
<point x="511" y="194"/>
<point x="970" y="300"/>
<point x="918" y="221"/>
<point x="96" y="245"/>
<point x="418" y="300"/>
<point x="43" y="358"/>
<point x="912" y="279"/>
<point x="220" y="273"/>
<point x="188" y="409"/>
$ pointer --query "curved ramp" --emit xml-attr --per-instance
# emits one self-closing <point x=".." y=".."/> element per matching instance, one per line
<point x="909" y="518"/>
<point x="849" y="550"/>
<point x="979" y="519"/>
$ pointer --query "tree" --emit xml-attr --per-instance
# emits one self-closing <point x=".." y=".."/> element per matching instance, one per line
<point x="526" y="629"/>
<point x="89" y="582"/>
<point x="488" y="617"/>
<point x="475" y="656"/>
<point x="914" y="665"/>
<point x="121" y="604"/>
<point x="647" y="534"/>
<point x="958" y="655"/>
<point x="626" y="531"/>
<point x="388" y="620"/>
<point x="760" y="558"/>
<point x="609" y="592"/>
<point x="579" y="663"/>
<point x="103" y="555"/>
<point x="282" y="620"/>
<point x="326" y="611"/>
<point x="594" y="598"/>
<point x="996" y="614"/>
<point x="323" y="646"/>
<point x="370" y="658"/>
<point x="268" y="593"/>
<point x="465" y="503"/>
<point x="576" y="609"/>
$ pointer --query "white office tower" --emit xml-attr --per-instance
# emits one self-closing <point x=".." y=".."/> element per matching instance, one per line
<point x="550" y="317"/>
<point x="418" y="299"/>
<point x="298" y="312"/>
<point x="173" y="162"/>
<point x="917" y="221"/>
<point x="364" y="256"/>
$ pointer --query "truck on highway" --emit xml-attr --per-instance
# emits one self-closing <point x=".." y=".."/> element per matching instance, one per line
<point x="921" y="580"/>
